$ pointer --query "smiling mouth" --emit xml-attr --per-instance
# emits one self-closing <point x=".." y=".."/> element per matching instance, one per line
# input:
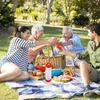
<point x="65" y="37"/>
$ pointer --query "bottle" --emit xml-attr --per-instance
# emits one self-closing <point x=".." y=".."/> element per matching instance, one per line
<point x="48" y="72"/>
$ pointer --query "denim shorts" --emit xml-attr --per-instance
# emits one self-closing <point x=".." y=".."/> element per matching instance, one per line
<point x="1" y="63"/>
<point x="30" y="66"/>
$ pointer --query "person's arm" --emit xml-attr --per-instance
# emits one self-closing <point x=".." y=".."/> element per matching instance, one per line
<point x="51" y="41"/>
<point x="41" y="42"/>
<point x="75" y="40"/>
<point x="38" y="47"/>
<point x="80" y="56"/>
<point x="21" y="43"/>
<point x="67" y="52"/>
<point x="69" y="42"/>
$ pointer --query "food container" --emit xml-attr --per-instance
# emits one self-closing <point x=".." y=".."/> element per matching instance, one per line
<point x="56" y="72"/>
<point x="41" y="67"/>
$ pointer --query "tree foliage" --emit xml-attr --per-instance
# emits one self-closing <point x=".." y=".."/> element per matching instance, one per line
<point x="6" y="14"/>
<point x="80" y="20"/>
<point x="62" y="11"/>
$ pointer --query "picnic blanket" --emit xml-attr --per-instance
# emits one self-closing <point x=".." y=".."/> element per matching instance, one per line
<point x="40" y="89"/>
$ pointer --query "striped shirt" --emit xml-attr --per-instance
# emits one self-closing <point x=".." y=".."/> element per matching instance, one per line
<point x="18" y="52"/>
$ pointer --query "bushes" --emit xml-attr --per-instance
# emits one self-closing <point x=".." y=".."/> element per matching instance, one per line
<point x="80" y="20"/>
<point x="6" y="15"/>
<point x="34" y="15"/>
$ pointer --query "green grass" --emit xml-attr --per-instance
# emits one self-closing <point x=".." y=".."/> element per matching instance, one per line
<point x="7" y="93"/>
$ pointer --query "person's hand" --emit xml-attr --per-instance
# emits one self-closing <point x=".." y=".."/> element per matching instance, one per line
<point x="62" y="48"/>
<point x="52" y="41"/>
<point x="64" y="43"/>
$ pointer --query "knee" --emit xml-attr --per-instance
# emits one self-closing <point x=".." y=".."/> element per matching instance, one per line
<point x="83" y="64"/>
<point x="14" y="70"/>
<point x="17" y="72"/>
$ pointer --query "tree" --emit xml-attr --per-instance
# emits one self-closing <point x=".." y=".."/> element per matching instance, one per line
<point x="50" y="2"/>
<point x="6" y="17"/>
<point x="90" y="8"/>
<point x="94" y="9"/>
<point x="15" y="4"/>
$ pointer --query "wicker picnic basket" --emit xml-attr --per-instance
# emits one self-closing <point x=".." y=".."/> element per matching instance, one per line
<point x="58" y="61"/>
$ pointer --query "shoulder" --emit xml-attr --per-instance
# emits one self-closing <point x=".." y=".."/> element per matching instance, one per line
<point x="91" y="42"/>
<point x="75" y="35"/>
<point x="16" y="38"/>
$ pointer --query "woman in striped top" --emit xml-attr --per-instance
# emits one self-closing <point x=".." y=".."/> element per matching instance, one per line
<point x="14" y="65"/>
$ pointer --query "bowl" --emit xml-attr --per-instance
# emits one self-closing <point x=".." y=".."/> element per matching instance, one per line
<point x="41" y="68"/>
<point x="56" y="72"/>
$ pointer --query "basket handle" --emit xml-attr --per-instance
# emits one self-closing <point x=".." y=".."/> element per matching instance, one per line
<point x="48" y="50"/>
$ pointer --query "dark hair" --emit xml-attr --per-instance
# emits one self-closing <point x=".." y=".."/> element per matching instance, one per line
<point x="95" y="27"/>
<point x="18" y="30"/>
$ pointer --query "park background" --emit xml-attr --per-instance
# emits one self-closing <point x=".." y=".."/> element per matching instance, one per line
<point x="53" y="15"/>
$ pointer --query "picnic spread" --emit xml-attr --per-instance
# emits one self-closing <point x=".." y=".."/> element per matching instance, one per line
<point x="53" y="77"/>
<point x="40" y="89"/>
<point x="62" y="86"/>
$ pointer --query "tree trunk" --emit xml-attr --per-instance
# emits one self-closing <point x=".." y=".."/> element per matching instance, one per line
<point x="50" y="2"/>
<point x="44" y="2"/>
<point x="15" y="3"/>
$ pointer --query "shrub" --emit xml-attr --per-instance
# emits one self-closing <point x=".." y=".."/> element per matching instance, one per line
<point x="41" y="16"/>
<point x="19" y="11"/>
<point x="6" y="17"/>
<point x="34" y="15"/>
<point x="80" y="20"/>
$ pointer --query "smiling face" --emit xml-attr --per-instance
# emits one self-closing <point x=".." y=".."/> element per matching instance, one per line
<point x="38" y="35"/>
<point x="91" y="35"/>
<point x="66" y="34"/>
<point x="25" y="35"/>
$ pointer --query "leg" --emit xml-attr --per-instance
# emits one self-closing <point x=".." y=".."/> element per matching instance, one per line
<point x="24" y="76"/>
<point x="9" y="71"/>
<point x="88" y="73"/>
<point x="85" y="71"/>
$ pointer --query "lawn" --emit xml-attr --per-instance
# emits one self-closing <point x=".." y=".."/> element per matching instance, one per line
<point x="7" y="93"/>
